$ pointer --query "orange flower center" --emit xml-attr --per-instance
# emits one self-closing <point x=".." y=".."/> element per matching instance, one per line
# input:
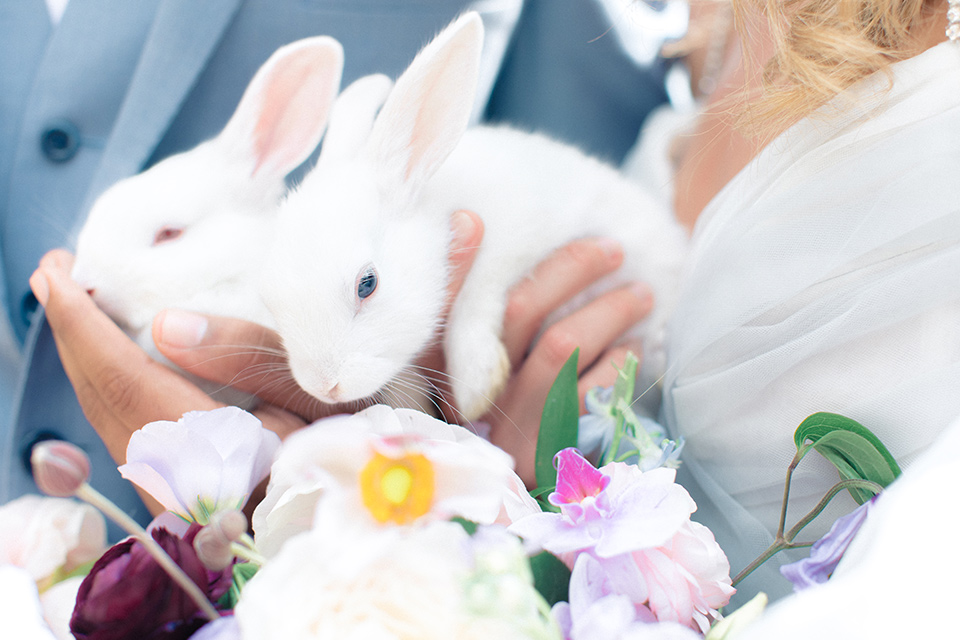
<point x="397" y="489"/>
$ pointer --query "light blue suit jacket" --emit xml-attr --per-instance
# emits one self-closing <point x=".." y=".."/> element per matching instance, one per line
<point x="119" y="85"/>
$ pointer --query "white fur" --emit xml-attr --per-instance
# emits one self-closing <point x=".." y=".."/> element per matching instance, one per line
<point x="389" y="203"/>
<point x="222" y="195"/>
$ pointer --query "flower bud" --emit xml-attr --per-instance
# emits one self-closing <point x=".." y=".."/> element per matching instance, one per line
<point x="59" y="468"/>
<point x="212" y="543"/>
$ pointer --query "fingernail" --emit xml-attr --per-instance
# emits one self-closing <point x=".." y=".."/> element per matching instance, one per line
<point x="463" y="225"/>
<point x="182" y="329"/>
<point x="40" y="287"/>
<point x="643" y="291"/>
<point x="610" y="246"/>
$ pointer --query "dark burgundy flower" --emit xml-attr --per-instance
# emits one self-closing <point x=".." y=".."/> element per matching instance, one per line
<point x="127" y="595"/>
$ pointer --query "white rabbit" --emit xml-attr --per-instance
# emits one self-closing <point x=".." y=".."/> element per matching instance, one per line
<point x="191" y="231"/>
<point x="356" y="277"/>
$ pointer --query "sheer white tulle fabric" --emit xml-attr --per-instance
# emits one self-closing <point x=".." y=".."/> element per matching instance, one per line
<point x="824" y="277"/>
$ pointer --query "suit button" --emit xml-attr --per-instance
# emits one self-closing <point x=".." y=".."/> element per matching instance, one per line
<point x="60" y="141"/>
<point x="28" y="307"/>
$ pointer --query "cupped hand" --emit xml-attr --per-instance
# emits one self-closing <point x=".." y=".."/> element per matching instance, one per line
<point x="120" y="388"/>
<point x="595" y="328"/>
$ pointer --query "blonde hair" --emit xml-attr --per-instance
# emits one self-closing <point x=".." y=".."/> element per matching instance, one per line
<point x="821" y="47"/>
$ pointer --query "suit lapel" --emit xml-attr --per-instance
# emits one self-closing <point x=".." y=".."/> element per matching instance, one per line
<point x="161" y="82"/>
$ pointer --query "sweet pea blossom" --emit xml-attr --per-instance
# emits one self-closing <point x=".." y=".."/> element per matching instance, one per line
<point x="825" y="554"/>
<point x="395" y="466"/>
<point x="637" y="526"/>
<point x="204" y="462"/>
<point x="597" y="612"/>
<point x="50" y="536"/>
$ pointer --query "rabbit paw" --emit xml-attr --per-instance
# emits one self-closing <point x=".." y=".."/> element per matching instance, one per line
<point x="478" y="375"/>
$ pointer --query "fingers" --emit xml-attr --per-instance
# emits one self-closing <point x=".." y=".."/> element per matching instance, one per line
<point x="238" y="353"/>
<point x="556" y="280"/>
<point x="120" y="388"/>
<point x="467" y="235"/>
<point x="603" y="372"/>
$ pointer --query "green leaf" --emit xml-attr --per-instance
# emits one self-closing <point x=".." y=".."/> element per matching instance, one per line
<point x="468" y="525"/>
<point x="852" y="448"/>
<point x="550" y="577"/>
<point x="242" y="572"/>
<point x="558" y="423"/>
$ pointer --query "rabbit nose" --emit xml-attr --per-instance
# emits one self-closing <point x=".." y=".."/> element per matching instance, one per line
<point x="90" y="292"/>
<point x="334" y="392"/>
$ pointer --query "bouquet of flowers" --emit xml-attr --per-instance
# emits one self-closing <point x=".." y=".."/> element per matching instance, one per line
<point x="391" y="524"/>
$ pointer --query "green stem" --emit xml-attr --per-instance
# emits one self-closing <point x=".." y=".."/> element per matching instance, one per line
<point x="782" y="541"/>
<point x="92" y="496"/>
<point x="853" y="483"/>
<point x="778" y="545"/>
<point x="802" y="451"/>
<point x="248" y="554"/>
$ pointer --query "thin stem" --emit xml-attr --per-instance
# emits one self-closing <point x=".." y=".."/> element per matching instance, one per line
<point x="853" y="483"/>
<point x="778" y="545"/>
<point x="95" y="498"/>
<point x="802" y="451"/>
<point x="248" y="554"/>
<point x="782" y="541"/>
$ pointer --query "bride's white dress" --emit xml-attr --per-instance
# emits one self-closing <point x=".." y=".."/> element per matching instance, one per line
<point x="824" y="277"/>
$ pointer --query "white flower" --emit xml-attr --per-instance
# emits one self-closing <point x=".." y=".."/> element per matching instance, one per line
<point x="394" y="465"/>
<point x="20" y="606"/>
<point x="58" y="603"/>
<point x="343" y="579"/>
<point x="50" y="536"/>
<point x="204" y="462"/>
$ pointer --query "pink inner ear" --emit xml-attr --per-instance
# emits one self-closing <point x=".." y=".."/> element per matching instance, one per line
<point x="297" y="101"/>
<point x="436" y="120"/>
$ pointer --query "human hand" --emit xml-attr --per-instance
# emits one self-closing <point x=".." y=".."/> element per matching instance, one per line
<point x="594" y="328"/>
<point x="120" y="388"/>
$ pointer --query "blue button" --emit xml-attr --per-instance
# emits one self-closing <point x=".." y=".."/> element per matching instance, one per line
<point x="28" y="307"/>
<point x="60" y="141"/>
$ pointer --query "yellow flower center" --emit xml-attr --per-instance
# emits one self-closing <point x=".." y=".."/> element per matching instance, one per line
<point x="397" y="489"/>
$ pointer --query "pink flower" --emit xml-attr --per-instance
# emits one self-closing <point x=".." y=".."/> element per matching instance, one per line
<point x="637" y="526"/>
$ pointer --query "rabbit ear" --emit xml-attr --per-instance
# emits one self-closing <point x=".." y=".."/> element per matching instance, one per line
<point x="352" y="116"/>
<point x="284" y="110"/>
<point x="429" y="109"/>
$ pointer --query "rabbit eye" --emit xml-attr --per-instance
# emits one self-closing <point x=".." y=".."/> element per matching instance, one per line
<point x="167" y="234"/>
<point x="367" y="283"/>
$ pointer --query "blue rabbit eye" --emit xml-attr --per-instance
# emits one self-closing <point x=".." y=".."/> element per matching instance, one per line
<point x="367" y="284"/>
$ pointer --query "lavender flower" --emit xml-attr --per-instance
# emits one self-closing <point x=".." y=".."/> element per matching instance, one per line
<point x="826" y="552"/>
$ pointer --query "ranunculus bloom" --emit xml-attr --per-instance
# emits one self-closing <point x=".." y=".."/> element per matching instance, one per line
<point x="128" y="595"/>
<point x="50" y="535"/>
<point x="395" y="466"/>
<point x="825" y="554"/>
<point x="204" y="462"/>
<point x="637" y="526"/>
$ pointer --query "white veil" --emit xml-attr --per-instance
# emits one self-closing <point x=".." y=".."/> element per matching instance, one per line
<point x="824" y="277"/>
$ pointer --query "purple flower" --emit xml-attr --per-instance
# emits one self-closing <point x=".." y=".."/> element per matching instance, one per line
<point x="128" y="595"/>
<point x="826" y="552"/>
